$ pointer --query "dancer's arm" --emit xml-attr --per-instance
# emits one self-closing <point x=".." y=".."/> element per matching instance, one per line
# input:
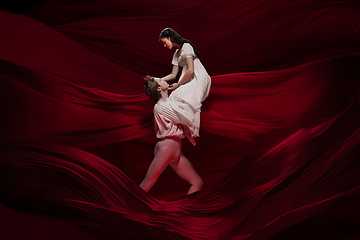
<point x="169" y="77"/>
<point x="189" y="72"/>
<point x="173" y="74"/>
<point x="169" y="114"/>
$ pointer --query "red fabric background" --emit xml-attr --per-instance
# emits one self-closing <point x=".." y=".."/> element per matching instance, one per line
<point x="279" y="145"/>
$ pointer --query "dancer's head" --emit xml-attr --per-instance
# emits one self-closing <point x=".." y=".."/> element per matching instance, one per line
<point x="151" y="89"/>
<point x="155" y="87"/>
<point x="169" y="36"/>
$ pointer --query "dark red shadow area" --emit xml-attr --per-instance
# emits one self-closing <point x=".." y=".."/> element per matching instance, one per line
<point x="279" y="141"/>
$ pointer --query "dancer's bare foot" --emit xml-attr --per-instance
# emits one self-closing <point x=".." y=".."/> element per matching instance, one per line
<point x="196" y="188"/>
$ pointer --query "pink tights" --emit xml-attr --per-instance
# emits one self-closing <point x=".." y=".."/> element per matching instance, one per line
<point x="168" y="152"/>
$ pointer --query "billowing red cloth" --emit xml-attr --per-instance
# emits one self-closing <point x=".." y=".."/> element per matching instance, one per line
<point x="279" y="142"/>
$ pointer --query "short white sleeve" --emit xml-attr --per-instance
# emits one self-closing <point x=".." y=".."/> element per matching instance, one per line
<point x="188" y="51"/>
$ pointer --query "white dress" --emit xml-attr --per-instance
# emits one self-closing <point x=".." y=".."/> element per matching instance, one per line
<point x="187" y="99"/>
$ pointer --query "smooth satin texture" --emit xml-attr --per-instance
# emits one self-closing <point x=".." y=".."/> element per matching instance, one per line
<point x="279" y="143"/>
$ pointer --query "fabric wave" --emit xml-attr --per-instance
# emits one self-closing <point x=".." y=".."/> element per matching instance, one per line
<point x="94" y="195"/>
<point x="279" y="143"/>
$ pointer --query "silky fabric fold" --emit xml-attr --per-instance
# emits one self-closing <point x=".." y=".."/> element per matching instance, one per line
<point x="279" y="145"/>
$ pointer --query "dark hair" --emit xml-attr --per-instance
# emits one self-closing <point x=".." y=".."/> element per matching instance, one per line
<point x="176" y="38"/>
<point x="151" y="89"/>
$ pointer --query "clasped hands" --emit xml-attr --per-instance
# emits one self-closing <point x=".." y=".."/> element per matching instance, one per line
<point x="173" y="86"/>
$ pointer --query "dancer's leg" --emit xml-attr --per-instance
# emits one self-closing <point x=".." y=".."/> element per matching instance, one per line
<point x="185" y="169"/>
<point x="166" y="150"/>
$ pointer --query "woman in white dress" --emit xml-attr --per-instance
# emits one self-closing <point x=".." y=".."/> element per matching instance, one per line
<point x="194" y="83"/>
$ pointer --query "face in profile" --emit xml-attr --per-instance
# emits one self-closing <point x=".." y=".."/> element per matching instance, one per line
<point x="163" y="85"/>
<point x="167" y="43"/>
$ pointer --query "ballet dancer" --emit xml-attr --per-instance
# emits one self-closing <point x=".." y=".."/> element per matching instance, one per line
<point x="170" y="133"/>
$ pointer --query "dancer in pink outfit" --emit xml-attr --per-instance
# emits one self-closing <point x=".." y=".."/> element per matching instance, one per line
<point x="170" y="131"/>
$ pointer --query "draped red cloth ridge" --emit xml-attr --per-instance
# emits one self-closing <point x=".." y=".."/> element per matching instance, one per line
<point x="279" y="144"/>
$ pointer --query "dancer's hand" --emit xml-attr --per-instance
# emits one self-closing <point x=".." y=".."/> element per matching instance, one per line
<point x="146" y="77"/>
<point x="173" y="86"/>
